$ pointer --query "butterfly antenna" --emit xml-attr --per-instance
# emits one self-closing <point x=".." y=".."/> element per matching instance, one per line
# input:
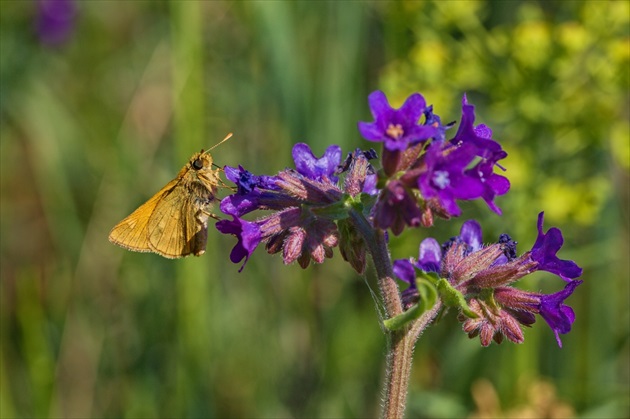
<point x="227" y="137"/>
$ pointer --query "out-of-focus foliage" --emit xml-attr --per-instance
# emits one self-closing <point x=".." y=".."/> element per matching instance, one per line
<point x="94" y="123"/>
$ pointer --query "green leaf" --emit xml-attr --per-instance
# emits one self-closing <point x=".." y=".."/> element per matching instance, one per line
<point x="428" y="297"/>
<point x="453" y="298"/>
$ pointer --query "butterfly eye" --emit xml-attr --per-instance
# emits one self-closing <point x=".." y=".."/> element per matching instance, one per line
<point x="197" y="164"/>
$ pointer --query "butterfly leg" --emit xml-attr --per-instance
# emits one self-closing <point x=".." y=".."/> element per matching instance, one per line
<point x="211" y="215"/>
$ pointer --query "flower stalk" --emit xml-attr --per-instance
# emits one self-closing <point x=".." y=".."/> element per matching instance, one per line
<point x="401" y="341"/>
<point x="400" y="346"/>
<point x="377" y="246"/>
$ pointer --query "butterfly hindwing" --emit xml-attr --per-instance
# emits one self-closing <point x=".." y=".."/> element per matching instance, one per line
<point x="178" y="226"/>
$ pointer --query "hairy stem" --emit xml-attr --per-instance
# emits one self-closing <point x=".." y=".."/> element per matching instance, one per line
<point x="399" y="358"/>
<point x="377" y="246"/>
<point x="386" y="283"/>
<point x="400" y="343"/>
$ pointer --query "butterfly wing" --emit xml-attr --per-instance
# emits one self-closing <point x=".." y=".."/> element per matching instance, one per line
<point x="196" y="226"/>
<point x="178" y="226"/>
<point x="131" y="233"/>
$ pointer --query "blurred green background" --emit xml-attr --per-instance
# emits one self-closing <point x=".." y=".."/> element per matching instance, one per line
<point x="96" y="119"/>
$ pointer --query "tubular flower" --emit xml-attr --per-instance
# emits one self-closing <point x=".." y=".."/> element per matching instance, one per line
<point x="248" y="234"/>
<point x="545" y="249"/>
<point x="489" y="152"/>
<point x="305" y="203"/>
<point x="484" y="274"/>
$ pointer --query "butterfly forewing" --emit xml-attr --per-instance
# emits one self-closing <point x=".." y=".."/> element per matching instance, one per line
<point x="131" y="233"/>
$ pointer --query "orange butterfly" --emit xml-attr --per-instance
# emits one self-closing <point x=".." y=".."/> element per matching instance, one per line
<point x="174" y="222"/>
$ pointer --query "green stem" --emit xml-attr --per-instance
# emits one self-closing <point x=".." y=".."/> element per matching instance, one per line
<point x="400" y="343"/>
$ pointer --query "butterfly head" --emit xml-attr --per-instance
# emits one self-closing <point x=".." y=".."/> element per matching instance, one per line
<point x="200" y="161"/>
<point x="199" y="167"/>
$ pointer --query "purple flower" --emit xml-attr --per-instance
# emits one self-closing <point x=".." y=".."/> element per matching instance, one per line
<point x="422" y="173"/>
<point x="404" y="269"/>
<point x="253" y="192"/>
<point x="470" y="234"/>
<point x="396" y="207"/>
<point x="55" y="20"/>
<point x="444" y="177"/>
<point x="429" y="259"/>
<point x="398" y="129"/>
<point x="551" y="307"/>
<point x="429" y="256"/>
<point x="316" y="168"/>
<point x="492" y="184"/>
<point x="490" y="152"/>
<point x="248" y="235"/>
<point x="443" y="173"/>
<point x="559" y="317"/>
<point x="247" y="181"/>
<point x="480" y="136"/>
<point x="545" y="249"/>
<point x="483" y="274"/>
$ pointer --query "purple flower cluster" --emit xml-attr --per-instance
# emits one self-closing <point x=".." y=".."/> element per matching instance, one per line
<point x="484" y="274"/>
<point x="304" y="205"/>
<point x="325" y="203"/>
<point x="422" y="171"/>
